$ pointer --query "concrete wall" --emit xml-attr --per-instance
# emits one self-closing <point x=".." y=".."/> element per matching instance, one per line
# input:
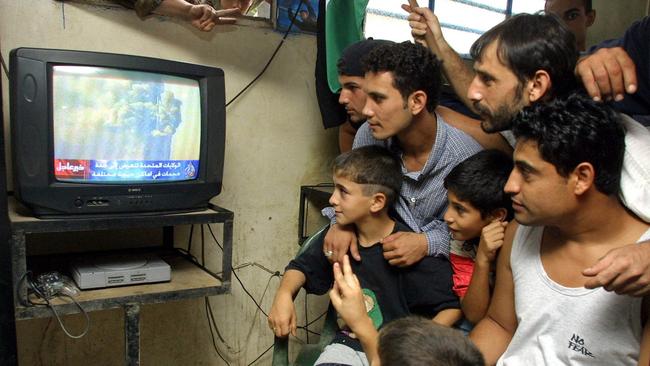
<point x="613" y="18"/>
<point x="275" y="143"/>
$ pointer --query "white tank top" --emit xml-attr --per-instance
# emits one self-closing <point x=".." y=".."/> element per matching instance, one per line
<point x="560" y="325"/>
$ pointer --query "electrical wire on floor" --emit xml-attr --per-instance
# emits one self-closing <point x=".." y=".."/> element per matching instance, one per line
<point x="273" y="274"/>
<point x="210" y="315"/>
<point x="286" y="33"/>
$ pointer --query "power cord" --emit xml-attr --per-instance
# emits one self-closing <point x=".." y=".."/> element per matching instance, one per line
<point x="273" y="274"/>
<point x="27" y="278"/>
<point x="286" y="33"/>
<point x="4" y="66"/>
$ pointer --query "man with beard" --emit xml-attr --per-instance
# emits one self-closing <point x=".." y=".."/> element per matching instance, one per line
<point x="564" y="186"/>
<point x="531" y="59"/>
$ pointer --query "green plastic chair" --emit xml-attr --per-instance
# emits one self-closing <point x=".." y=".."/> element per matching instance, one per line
<point x="308" y="352"/>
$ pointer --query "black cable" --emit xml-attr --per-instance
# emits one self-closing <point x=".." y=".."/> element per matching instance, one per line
<point x="260" y="356"/>
<point x="249" y="294"/>
<point x="189" y="242"/>
<point x="286" y="33"/>
<point x="214" y="237"/>
<point x="4" y="66"/>
<point x="202" y="246"/>
<point x="317" y="318"/>
<point x="214" y="343"/>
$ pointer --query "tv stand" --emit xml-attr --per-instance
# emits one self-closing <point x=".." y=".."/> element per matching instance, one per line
<point x="189" y="279"/>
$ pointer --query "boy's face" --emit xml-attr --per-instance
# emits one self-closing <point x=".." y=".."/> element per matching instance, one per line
<point x="463" y="219"/>
<point x="386" y="110"/>
<point x="540" y="195"/>
<point x="349" y="202"/>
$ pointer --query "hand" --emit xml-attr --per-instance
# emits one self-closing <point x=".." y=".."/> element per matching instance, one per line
<point x="282" y="317"/>
<point x="347" y="297"/>
<point x="425" y="27"/>
<point x="204" y="17"/>
<point x="338" y="240"/>
<point x="624" y="270"/>
<point x="403" y="249"/>
<point x="491" y="240"/>
<point x="607" y="73"/>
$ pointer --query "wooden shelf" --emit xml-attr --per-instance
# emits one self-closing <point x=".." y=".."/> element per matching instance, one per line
<point x="188" y="280"/>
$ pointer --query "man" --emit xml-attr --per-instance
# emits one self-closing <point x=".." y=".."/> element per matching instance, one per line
<point x="507" y="78"/>
<point x="352" y="96"/>
<point x="616" y="57"/>
<point x="564" y="186"/>
<point x="402" y="83"/>
<point x="577" y="15"/>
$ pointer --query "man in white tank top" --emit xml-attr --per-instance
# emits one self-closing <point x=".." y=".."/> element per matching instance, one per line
<point x="564" y="189"/>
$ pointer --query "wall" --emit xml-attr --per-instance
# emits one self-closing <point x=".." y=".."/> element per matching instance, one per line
<point x="275" y="143"/>
<point x="613" y="17"/>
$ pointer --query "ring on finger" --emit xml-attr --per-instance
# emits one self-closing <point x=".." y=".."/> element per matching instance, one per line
<point x="329" y="253"/>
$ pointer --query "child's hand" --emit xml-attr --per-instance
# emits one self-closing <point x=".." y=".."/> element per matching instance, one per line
<point x="491" y="240"/>
<point x="282" y="317"/>
<point x="347" y="298"/>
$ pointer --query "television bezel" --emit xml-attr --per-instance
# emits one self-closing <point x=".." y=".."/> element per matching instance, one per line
<point x="32" y="139"/>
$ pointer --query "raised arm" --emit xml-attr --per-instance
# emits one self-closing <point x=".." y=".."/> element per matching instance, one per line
<point x="425" y="26"/>
<point x="494" y="332"/>
<point x="202" y="17"/>
<point x="477" y="298"/>
<point x="473" y="128"/>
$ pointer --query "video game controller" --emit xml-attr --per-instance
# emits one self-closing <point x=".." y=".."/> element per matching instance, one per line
<point x="52" y="284"/>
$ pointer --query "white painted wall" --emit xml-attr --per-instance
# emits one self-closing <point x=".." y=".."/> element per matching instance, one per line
<point x="275" y="143"/>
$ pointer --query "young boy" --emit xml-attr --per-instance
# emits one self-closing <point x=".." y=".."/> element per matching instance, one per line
<point x="367" y="181"/>
<point x="477" y="215"/>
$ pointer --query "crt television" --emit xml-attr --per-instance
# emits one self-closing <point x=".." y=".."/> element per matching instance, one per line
<point x="101" y="133"/>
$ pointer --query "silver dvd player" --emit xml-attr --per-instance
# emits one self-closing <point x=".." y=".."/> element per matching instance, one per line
<point x="120" y="270"/>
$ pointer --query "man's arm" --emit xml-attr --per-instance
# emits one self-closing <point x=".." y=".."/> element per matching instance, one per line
<point x="347" y="298"/>
<point x="282" y="317"/>
<point x="472" y="127"/>
<point x="203" y="17"/>
<point x="493" y="334"/>
<point x="424" y="25"/>
<point x="403" y="248"/>
<point x="448" y="317"/>
<point x="624" y="270"/>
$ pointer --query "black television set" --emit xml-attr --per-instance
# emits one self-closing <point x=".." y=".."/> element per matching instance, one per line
<point x="102" y="133"/>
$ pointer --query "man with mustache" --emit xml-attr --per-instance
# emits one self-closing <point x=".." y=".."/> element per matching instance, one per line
<point x="531" y="59"/>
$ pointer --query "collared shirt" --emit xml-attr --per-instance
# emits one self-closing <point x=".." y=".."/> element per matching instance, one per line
<point x="423" y="197"/>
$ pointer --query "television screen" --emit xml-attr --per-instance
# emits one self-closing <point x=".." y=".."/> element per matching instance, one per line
<point x="121" y="126"/>
<point x="103" y="133"/>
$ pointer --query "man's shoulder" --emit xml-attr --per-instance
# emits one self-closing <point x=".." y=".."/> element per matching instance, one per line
<point x="458" y="142"/>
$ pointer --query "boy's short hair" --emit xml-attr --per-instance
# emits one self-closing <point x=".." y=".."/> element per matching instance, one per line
<point x="480" y="180"/>
<point x="576" y="129"/>
<point x="416" y="341"/>
<point x="413" y="66"/>
<point x="379" y="170"/>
